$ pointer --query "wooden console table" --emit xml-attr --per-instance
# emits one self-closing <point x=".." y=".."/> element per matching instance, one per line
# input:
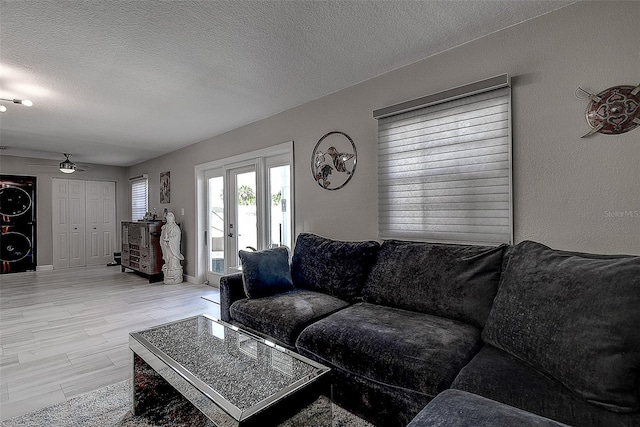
<point x="141" y="248"/>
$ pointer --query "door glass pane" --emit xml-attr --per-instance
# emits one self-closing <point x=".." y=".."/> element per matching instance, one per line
<point x="279" y="189"/>
<point x="246" y="224"/>
<point x="216" y="224"/>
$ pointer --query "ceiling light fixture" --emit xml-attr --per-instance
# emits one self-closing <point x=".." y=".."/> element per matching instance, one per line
<point x="25" y="102"/>
<point x="67" y="166"/>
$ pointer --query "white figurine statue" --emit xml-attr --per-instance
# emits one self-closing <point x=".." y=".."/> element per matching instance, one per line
<point x="170" y="244"/>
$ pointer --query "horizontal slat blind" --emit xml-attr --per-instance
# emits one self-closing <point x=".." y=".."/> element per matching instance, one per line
<point x="139" y="198"/>
<point x="444" y="171"/>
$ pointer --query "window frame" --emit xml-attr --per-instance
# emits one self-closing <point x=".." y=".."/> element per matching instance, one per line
<point x="133" y="182"/>
<point x="434" y="213"/>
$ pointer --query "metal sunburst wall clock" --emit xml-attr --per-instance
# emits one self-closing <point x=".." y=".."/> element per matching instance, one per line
<point x="333" y="161"/>
<point x="613" y="111"/>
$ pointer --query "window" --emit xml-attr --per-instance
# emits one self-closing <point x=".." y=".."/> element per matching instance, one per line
<point x="444" y="166"/>
<point x="139" y="197"/>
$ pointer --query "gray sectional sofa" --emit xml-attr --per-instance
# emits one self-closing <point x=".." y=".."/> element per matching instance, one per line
<point x="551" y="333"/>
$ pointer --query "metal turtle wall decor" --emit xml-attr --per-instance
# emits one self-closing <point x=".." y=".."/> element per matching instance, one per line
<point x="613" y="111"/>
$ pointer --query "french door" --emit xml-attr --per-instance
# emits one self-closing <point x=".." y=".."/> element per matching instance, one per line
<point x="248" y="207"/>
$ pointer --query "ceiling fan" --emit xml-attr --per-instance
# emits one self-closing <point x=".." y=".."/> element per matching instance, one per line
<point x="66" y="166"/>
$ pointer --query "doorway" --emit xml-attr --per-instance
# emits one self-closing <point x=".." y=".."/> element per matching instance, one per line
<point x="244" y="203"/>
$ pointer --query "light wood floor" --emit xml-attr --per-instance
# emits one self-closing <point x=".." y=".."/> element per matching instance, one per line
<point x="65" y="332"/>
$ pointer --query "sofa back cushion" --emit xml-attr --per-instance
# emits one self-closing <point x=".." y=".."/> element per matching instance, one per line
<point x="575" y="317"/>
<point x="458" y="282"/>
<point x="330" y="266"/>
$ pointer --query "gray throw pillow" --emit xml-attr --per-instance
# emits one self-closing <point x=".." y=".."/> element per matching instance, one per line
<point x="575" y="317"/>
<point x="458" y="282"/>
<point x="266" y="272"/>
<point x="333" y="267"/>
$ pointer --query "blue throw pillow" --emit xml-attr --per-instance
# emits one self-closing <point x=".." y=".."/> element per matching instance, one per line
<point x="266" y="272"/>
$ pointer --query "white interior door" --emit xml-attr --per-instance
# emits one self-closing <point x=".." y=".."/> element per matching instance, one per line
<point x="77" y="215"/>
<point x="68" y="222"/>
<point x="100" y="222"/>
<point x="60" y="222"/>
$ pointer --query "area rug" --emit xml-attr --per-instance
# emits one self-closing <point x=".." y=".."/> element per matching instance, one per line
<point x="111" y="407"/>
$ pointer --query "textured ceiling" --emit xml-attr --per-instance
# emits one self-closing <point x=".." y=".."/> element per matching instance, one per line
<point x="118" y="83"/>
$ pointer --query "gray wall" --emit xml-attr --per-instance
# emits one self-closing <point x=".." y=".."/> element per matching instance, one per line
<point x="568" y="191"/>
<point x="13" y="165"/>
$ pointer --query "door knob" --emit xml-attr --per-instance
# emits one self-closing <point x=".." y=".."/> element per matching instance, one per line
<point x="230" y="235"/>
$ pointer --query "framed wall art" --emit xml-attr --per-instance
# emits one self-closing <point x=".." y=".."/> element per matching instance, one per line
<point x="333" y="161"/>
<point x="165" y="187"/>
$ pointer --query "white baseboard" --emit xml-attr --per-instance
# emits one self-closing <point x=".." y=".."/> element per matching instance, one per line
<point x="195" y="281"/>
<point x="44" y="267"/>
<point x="190" y="279"/>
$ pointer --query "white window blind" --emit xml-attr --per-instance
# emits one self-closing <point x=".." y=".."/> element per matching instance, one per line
<point x="139" y="197"/>
<point x="444" y="171"/>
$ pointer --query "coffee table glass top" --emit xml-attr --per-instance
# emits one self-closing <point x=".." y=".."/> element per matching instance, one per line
<point x="229" y="365"/>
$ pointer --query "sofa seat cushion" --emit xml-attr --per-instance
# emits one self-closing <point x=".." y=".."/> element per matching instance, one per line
<point x="455" y="408"/>
<point x="575" y="317"/>
<point x="285" y="315"/>
<point x="458" y="282"/>
<point x="497" y="375"/>
<point x="331" y="266"/>
<point x="395" y="347"/>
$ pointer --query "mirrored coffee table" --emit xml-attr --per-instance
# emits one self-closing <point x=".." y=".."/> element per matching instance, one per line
<point x="203" y="372"/>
